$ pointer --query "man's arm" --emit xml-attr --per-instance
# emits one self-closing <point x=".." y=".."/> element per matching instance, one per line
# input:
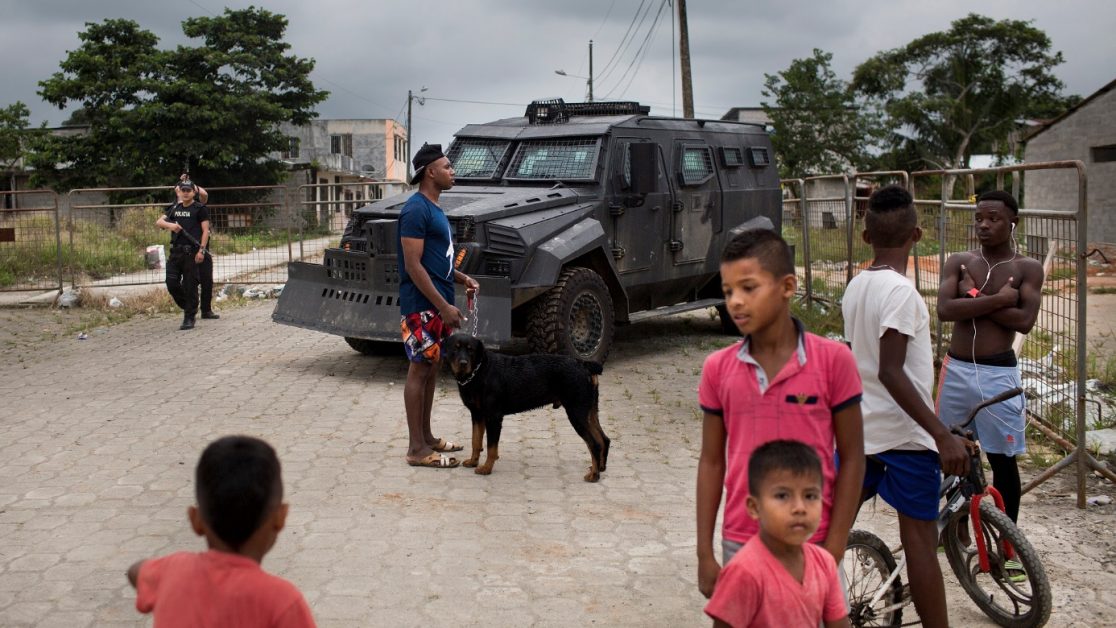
<point x="848" y="428"/>
<point x="710" y="485"/>
<point x="953" y="306"/>
<point x="893" y="355"/>
<point x="412" y="257"/>
<point x="1022" y="317"/>
<point x="204" y="241"/>
<point x="163" y="223"/>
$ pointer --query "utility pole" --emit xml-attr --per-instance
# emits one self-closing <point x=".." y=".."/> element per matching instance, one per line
<point x="590" y="70"/>
<point x="684" y="60"/>
<point x="422" y="101"/>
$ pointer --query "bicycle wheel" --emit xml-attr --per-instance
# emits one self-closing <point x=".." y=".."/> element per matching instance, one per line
<point x="867" y="564"/>
<point x="1019" y="598"/>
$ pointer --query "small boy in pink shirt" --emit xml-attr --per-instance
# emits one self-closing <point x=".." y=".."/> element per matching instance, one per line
<point x="779" y="579"/>
<point x="240" y="512"/>
<point x="780" y="382"/>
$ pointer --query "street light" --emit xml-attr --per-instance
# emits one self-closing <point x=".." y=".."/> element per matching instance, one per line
<point x="411" y="97"/>
<point x="588" y="79"/>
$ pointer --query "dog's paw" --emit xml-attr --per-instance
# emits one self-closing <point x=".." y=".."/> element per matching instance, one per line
<point x="485" y="469"/>
<point x="470" y="463"/>
<point x="592" y="476"/>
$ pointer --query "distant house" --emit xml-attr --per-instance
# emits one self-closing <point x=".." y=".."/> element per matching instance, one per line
<point x="346" y="160"/>
<point x="1086" y="132"/>
<point x="754" y="115"/>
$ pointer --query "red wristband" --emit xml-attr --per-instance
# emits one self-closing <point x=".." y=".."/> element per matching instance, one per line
<point x="973" y="293"/>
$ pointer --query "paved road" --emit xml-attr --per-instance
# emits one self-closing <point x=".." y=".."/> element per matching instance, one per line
<point x="100" y="438"/>
<point x="98" y="441"/>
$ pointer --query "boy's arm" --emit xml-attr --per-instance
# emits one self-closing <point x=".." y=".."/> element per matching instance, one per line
<point x="893" y="355"/>
<point x="720" y="624"/>
<point x="133" y="572"/>
<point x="953" y="306"/>
<point x="710" y="484"/>
<point x="848" y="427"/>
<point x="1022" y="317"/>
<point x="840" y="623"/>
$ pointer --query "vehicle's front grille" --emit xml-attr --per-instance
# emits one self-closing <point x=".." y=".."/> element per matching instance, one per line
<point x="464" y="230"/>
<point x="505" y="241"/>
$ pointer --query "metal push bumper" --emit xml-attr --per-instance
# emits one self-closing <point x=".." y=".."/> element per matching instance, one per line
<point x="358" y="297"/>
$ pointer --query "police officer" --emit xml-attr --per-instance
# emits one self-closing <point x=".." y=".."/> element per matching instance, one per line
<point x="192" y="218"/>
<point x="205" y="269"/>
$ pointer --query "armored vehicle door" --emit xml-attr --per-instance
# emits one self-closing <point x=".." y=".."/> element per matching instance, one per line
<point x="640" y="222"/>
<point x="697" y="209"/>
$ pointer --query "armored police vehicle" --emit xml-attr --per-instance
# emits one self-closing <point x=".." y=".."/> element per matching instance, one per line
<point x="574" y="218"/>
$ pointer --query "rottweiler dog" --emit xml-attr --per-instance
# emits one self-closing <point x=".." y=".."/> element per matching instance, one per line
<point x="493" y="385"/>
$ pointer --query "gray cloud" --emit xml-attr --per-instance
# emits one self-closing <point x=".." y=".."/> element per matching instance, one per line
<point x="368" y="54"/>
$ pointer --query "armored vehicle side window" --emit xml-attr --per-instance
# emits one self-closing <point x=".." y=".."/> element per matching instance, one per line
<point x="732" y="156"/>
<point x="476" y="158"/>
<point x="758" y="156"/>
<point x="567" y="160"/>
<point x="697" y="165"/>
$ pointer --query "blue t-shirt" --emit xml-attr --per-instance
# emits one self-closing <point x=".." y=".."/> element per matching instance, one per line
<point x="424" y="220"/>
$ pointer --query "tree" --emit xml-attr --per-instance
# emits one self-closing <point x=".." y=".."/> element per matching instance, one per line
<point x="15" y="136"/>
<point x="213" y="108"/>
<point x="955" y="93"/>
<point x="819" y="127"/>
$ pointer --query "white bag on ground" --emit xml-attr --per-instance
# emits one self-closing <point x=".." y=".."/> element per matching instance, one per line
<point x="156" y="257"/>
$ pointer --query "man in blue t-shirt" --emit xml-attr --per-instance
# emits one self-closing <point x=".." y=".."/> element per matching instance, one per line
<point x="426" y="278"/>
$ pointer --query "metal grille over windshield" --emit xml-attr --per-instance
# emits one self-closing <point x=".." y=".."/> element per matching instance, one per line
<point x="475" y="158"/>
<point x="567" y="160"/>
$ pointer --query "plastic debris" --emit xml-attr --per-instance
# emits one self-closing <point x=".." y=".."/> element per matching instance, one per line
<point x="114" y="302"/>
<point x="69" y="298"/>
<point x="82" y="336"/>
<point x="1099" y="500"/>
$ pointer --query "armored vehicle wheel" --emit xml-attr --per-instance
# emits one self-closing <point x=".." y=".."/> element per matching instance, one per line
<point x="374" y="347"/>
<point x="575" y="317"/>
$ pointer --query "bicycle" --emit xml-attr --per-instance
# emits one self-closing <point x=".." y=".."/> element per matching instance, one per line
<point x="1015" y="594"/>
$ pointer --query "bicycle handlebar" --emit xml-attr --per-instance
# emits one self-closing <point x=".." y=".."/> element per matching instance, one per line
<point x="1004" y="396"/>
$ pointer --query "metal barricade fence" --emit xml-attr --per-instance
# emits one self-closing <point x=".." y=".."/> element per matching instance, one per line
<point x="116" y="243"/>
<point x="1052" y="355"/>
<point x="330" y="205"/>
<point x="30" y="241"/>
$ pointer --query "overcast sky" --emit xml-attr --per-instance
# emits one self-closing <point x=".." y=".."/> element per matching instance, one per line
<point x="369" y="53"/>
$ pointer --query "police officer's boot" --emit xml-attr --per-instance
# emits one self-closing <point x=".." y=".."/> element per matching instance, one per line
<point x="187" y="322"/>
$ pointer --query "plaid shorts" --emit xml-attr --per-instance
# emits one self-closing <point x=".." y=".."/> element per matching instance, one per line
<point x="423" y="333"/>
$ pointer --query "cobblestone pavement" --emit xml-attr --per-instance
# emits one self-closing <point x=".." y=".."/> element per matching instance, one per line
<point x="98" y="441"/>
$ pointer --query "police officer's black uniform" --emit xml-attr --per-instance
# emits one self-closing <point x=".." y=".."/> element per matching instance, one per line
<point x="182" y="270"/>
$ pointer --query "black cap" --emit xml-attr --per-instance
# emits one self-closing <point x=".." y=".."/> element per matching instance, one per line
<point x="186" y="185"/>
<point x="428" y="154"/>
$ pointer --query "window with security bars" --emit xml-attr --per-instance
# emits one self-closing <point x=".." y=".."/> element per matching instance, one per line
<point x="567" y="160"/>
<point x="697" y="165"/>
<point x="477" y="159"/>
<point x="293" y="144"/>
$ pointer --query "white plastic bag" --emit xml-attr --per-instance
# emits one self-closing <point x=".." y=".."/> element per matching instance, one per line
<point x="155" y="256"/>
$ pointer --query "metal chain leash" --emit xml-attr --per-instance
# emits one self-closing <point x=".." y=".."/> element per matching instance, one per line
<point x="472" y="304"/>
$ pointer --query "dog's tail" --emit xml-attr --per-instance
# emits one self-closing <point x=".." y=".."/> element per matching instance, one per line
<point x="594" y="368"/>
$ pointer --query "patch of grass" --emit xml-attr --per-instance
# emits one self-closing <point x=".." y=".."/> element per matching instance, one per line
<point x="818" y="318"/>
<point x="1103" y="290"/>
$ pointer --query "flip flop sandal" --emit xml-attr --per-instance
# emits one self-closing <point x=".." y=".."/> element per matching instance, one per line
<point x="447" y="446"/>
<point x="436" y="461"/>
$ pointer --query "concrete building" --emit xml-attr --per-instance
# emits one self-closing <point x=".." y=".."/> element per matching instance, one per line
<point x="754" y="115"/>
<point x="344" y="163"/>
<point x="1086" y="132"/>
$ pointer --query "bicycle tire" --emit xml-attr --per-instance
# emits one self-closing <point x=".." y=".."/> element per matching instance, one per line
<point x="867" y="564"/>
<point x="1024" y="604"/>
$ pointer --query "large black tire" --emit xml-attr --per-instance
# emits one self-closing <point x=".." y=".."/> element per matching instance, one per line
<point x="575" y="317"/>
<point x="374" y="347"/>
<point x="867" y="565"/>
<point x="1022" y="604"/>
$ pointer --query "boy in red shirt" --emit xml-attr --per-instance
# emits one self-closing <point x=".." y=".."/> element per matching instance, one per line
<point x="777" y="578"/>
<point x="240" y="512"/>
<point x="779" y="382"/>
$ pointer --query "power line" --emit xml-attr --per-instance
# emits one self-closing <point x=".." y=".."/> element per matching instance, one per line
<point x="640" y="53"/>
<point x="478" y="102"/>
<point x="621" y="45"/>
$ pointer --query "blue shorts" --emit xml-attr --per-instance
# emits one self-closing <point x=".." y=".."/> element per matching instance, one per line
<point x="1001" y="429"/>
<point x="908" y="480"/>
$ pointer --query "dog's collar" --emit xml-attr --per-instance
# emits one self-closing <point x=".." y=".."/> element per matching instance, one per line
<point x="471" y="376"/>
